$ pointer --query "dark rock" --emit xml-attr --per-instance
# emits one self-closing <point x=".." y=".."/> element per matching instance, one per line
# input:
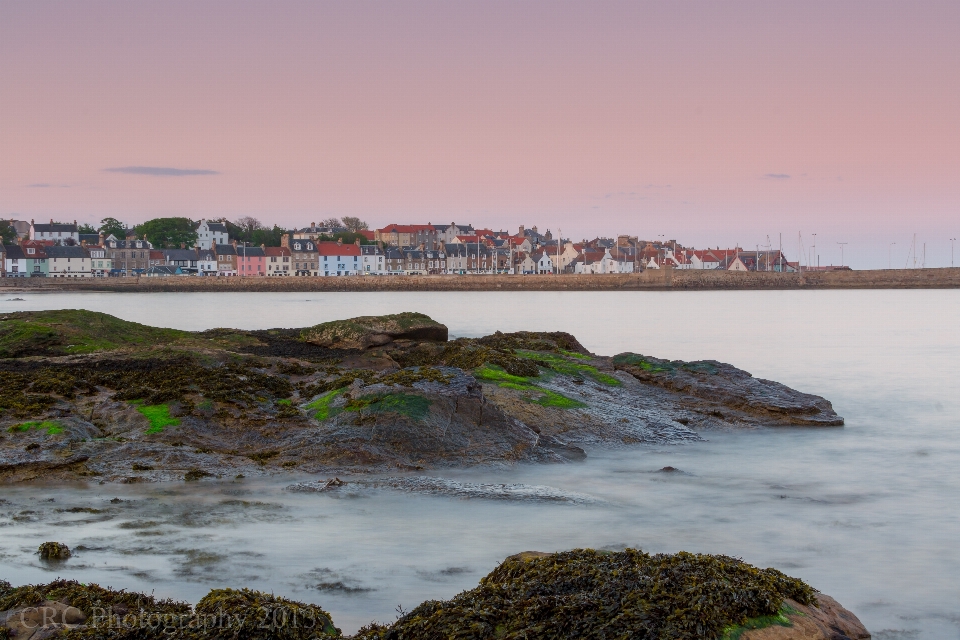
<point x="53" y="551"/>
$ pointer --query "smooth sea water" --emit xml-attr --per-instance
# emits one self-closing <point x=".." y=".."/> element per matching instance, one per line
<point x="868" y="513"/>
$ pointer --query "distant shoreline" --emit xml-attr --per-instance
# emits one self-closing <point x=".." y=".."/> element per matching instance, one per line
<point x="650" y="280"/>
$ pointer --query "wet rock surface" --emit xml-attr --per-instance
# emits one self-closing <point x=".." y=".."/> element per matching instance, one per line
<point x="86" y="396"/>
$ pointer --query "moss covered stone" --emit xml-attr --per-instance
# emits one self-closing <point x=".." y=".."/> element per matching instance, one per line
<point x="53" y="551"/>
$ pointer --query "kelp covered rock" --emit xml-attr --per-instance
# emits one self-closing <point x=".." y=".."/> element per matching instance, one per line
<point x="374" y="331"/>
<point x="592" y="594"/>
<point x="53" y="551"/>
<point x="70" y="610"/>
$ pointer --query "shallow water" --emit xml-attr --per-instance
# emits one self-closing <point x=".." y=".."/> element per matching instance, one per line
<point x="867" y="513"/>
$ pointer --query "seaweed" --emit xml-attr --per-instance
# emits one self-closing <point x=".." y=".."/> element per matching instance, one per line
<point x="159" y="417"/>
<point x="562" y="364"/>
<point x="52" y="427"/>
<point x="586" y="593"/>
<point x="321" y="406"/>
<point x="406" y="404"/>
<point x="536" y="393"/>
<point x="53" y="551"/>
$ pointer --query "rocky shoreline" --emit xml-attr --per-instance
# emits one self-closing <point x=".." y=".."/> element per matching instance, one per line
<point x="86" y="396"/>
<point x="575" y="594"/>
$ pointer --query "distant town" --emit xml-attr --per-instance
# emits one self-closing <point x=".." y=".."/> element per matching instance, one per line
<point x="170" y="247"/>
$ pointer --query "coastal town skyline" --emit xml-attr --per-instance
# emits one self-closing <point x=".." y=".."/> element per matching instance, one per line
<point x="716" y="125"/>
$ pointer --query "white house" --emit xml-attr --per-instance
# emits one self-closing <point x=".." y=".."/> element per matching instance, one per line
<point x="100" y="264"/>
<point x="338" y="259"/>
<point x="68" y="262"/>
<point x="56" y="232"/>
<point x="14" y="261"/>
<point x="371" y="260"/>
<point x="206" y="262"/>
<point x="211" y="233"/>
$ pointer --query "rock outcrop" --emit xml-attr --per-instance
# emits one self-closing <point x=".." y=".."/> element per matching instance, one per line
<point x="386" y="393"/>
<point x="375" y="331"/>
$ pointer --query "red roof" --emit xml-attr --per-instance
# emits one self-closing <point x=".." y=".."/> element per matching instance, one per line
<point x="337" y="249"/>
<point x="276" y="251"/>
<point x="369" y="235"/>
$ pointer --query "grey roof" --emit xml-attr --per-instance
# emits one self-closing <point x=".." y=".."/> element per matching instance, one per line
<point x="216" y="226"/>
<point x="67" y="252"/>
<point x="179" y="254"/>
<point x="14" y="252"/>
<point x="370" y="250"/>
<point x="250" y="252"/>
<point x="206" y="254"/>
<point x="90" y="238"/>
<point x="49" y="228"/>
<point x="131" y="244"/>
<point x="225" y="250"/>
<point x="394" y="254"/>
<point x="305" y="245"/>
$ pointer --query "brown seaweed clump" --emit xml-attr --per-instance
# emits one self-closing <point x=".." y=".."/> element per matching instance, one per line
<point x="53" y="551"/>
<point x="592" y="594"/>
<point x="249" y="614"/>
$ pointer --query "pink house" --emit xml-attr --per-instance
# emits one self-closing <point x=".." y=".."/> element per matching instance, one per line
<point x="251" y="261"/>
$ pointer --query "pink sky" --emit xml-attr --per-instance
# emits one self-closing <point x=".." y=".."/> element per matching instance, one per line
<point x="711" y="123"/>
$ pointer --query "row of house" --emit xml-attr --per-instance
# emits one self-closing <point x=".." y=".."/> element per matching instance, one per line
<point x="59" y="250"/>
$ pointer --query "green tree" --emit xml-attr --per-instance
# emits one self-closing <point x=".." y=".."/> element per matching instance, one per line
<point x="86" y="228"/>
<point x="112" y="226"/>
<point x="252" y="231"/>
<point x="354" y="224"/>
<point x="7" y="233"/>
<point x="347" y="237"/>
<point x="168" y="233"/>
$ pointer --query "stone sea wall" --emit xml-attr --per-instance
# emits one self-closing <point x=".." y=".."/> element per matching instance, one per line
<point x="653" y="280"/>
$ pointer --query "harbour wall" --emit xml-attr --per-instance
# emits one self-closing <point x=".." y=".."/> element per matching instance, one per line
<point x="650" y="280"/>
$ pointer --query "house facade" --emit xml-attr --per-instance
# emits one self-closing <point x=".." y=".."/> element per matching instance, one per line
<point x="372" y="260"/>
<point x="206" y="262"/>
<point x="55" y="232"/>
<point x="211" y="233"/>
<point x="128" y="257"/>
<point x="100" y="264"/>
<point x="251" y="261"/>
<point x="393" y="259"/>
<point x="184" y="258"/>
<point x="37" y="262"/>
<point x="303" y="255"/>
<point x="14" y="261"/>
<point x="409" y="235"/>
<point x="338" y="259"/>
<point x="68" y="261"/>
<point x="277" y="260"/>
<point x="226" y="259"/>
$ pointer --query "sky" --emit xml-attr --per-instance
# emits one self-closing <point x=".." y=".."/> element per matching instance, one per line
<point x="712" y="123"/>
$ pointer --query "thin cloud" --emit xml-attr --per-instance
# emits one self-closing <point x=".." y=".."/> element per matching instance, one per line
<point x="777" y="176"/>
<point x="39" y="185"/>
<point x="162" y="171"/>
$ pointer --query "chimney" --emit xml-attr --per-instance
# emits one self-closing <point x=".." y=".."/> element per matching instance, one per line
<point x="263" y="247"/>
<point x="183" y="245"/>
<point x="339" y="241"/>
<point x="357" y="242"/>
<point x="51" y="220"/>
<point x="285" y="240"/>
<point x="520" y="233"/>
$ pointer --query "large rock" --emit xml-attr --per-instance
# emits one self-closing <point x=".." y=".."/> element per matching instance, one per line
<point x="708" y="385"/>
<point x="827" y="621"/>
<point x="375" y="331"/>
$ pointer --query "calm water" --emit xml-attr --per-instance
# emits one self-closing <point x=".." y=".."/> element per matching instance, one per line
<point x="868" y="513"/>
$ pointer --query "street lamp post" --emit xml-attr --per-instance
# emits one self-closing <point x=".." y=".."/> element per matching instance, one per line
<point x="889" y="255"/>
<point x="952" y="240"/>
<point x="841" y="252"/>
